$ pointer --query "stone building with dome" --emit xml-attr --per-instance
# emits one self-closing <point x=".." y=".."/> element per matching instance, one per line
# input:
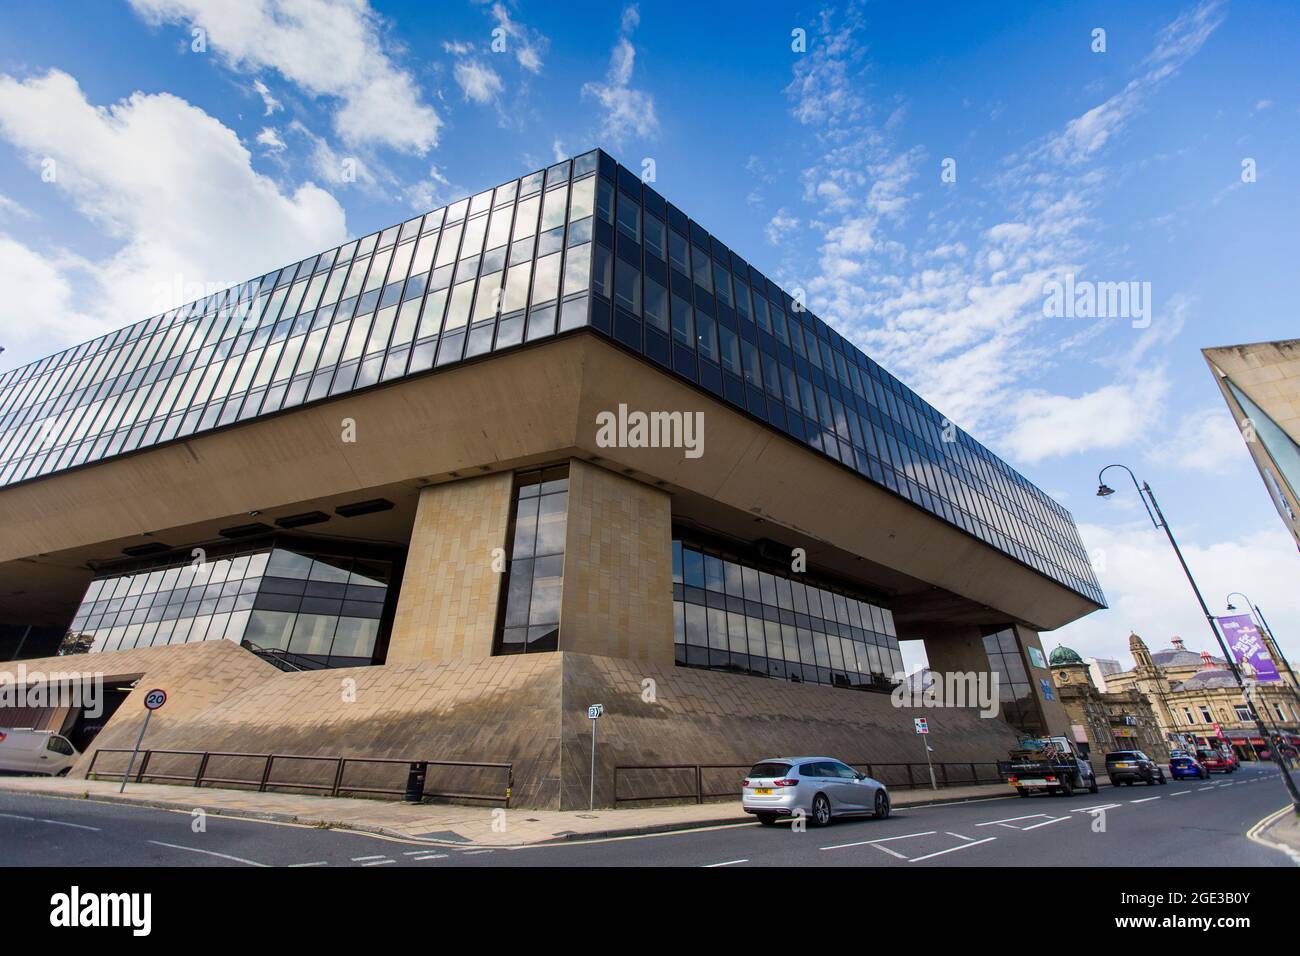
<point x="1197" y="702"/>
<point x="1108" y="720"/>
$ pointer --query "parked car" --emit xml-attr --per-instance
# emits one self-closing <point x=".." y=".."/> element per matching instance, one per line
<point x="39" y="752"/>
<point x="818" y="788"/>
<point x="1187" y="766"/>
<point x="1216" y="761"/>
<point x="1130" y="766"/>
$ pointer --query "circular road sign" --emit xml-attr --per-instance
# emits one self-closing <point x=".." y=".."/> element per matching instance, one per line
<point x="155" y="698"/>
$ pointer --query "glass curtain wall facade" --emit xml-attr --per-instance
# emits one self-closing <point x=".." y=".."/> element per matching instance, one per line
<point x="326" y="610"/>
<point x="534" y="577"/>
<point x="581" y="243"/>
<point x="1015" y="695"/>
<point x="509" y="265"/>
<point x="732" y="615"/>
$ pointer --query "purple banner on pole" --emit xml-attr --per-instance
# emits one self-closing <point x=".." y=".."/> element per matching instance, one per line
<point x="1248" y="647"/>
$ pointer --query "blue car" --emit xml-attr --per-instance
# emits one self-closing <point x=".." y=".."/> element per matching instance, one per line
<point x="1180" y="767"/>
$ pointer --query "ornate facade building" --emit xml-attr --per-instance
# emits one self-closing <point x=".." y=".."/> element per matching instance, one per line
<point x="1197" y="702"/>
<point x="1105" y="720"/>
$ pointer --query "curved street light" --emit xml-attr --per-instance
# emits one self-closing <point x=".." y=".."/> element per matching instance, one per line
<point x="1158" y="519"/>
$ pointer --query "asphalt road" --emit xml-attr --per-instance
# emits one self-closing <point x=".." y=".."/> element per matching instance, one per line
<point x="1186" y="823"/>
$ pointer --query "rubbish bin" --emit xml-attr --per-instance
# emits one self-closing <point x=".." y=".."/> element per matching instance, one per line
<point x="415" y="781"/>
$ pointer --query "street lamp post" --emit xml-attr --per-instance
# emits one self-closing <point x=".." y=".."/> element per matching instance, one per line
<point x="1158" y="519"/>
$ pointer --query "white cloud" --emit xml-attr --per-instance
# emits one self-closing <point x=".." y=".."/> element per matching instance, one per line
<point x="1175" y="45"/>
<point x="13" y="209"/>
<point x="1112" y="416"/>
<point x="957" y="310"/>
<point x="1205" y="440"/>
<point x="330" y="48"/>
<point x="627" y="111"/>
<point x="171" y="185"/>
<point x="38" y="306"/>
<point x="270" y="103"/>
<point x="781" y="225"/>
<point x="1149" y="595"/>
<point x="477" y="81"/>
<point x="269" y="137"/>
<point x="527" y="45"/>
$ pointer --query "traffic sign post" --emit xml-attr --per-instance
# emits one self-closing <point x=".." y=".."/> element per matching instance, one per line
<point x="594" y="712"/>
<point x="922" y="726"/>
<point x="152" y="701"/>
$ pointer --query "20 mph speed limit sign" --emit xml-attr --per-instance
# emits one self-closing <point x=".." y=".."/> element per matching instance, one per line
<point x="155" y="698"/>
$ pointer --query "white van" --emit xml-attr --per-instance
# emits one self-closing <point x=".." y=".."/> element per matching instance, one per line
<point x="39" y="752"/>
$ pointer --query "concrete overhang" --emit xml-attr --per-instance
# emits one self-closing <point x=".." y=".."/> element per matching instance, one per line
<point x="506" y="411"/>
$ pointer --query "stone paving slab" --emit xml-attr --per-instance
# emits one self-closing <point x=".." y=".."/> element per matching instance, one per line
<point x="435" y="823"/>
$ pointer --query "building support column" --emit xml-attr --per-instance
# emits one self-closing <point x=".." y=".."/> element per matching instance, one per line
<point x="618" y="568"/>
<point x="447" y="609"/>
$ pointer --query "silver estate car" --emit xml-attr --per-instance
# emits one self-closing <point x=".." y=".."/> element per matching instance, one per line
<point x="818" y="788"/>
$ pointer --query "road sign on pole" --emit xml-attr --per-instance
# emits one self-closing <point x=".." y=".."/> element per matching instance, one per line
<point x="594" y="712"/>
<point x="922" y="726"/>
<point x="152" y="701"/>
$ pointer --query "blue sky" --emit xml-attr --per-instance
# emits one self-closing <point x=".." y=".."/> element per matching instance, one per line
<point x="299" y="123"/>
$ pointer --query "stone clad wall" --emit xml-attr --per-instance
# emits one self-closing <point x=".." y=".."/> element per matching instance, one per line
<point x="528" y="710"/>
<point x="618" y="586"/>
<point x="447" y="608"/>
<point x="706" y="717"/>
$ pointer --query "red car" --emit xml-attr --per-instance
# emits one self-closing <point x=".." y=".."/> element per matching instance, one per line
<point x="1216" y="761"/>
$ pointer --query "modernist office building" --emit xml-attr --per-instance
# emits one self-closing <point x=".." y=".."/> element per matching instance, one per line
<point x="386" y="465"/>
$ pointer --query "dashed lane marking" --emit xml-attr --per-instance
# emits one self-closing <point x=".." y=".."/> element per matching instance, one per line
<point x="378" y="862"/>
<point x="432" y="856"/>
<point x="362" y="859"/>
<point x="1144" y="800"/>
<point x="709" y="866"/>
<point x="314" y="863"/>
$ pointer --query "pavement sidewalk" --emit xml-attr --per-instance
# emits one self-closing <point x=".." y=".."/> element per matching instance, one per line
<point x="436" y="823"/>
<point x="1281" y="831"/>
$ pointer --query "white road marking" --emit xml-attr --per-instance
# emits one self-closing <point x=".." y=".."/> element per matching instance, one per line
<point x="1203" y="789"/>
<point x="958" y="835"/>
<point x="893" y="853"/>
<point x="1144" y="800"/>
<point x="378" y="862"/>
<point x="362" y="859"/>
<point x="57" y="823"/>
<point x="1028" y="816"/>
<point x="1043" y="824"/>
<point x="1103" y="806"/>
<point x="964" y="846"/>
<point x="432" y="856"/>
<point x="316" y="863"/>
<point x="905" y="836"/>
<point x="224" y="856"/>
<point x="1180" y="793"/>
<point x="473" y="852"/>
<point x="709" y="866"/>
